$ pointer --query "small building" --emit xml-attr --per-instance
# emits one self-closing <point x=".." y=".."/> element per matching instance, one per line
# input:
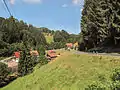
<point x="76" y="46"/>
<point x="69" y="45"/>
<point x="17" y="56"/>
<point x="13" y="66"/>
<point x="51" y="54"/>
<point x="34" y="53"/>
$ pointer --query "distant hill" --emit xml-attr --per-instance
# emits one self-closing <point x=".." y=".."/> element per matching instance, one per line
<point x="68" y="72"/>
<point x="59" y="36"/>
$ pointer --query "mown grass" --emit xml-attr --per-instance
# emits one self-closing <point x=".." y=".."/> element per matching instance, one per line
<point x="68" y="72"/>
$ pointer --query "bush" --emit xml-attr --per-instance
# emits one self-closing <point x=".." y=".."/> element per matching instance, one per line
<point x="3" y="52"/>
<point x="3" y="70"/>
<point x="95" y="87"/>
<point x="115" y="85"/>
<point x="42" y="60"/>
<point x="41" y="50"/>
<point x="116" y="75"/>
<point x="115" y="79"/>
<point x="3" y="73"/>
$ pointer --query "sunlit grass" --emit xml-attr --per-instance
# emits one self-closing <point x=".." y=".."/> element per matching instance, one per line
<point x="49" y="38"/>
<point x="68" y="72"/>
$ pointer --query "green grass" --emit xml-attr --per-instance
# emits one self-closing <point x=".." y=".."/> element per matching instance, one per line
<point x="68" y="72"/>
<point x="49" y="38"/>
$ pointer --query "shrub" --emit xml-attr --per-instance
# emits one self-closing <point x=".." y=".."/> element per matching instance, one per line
<point x="42" y="60"/>
<point x="115" y="85"/>
<point x="41" y="50"/>
<point x="3" y="52"/>
<point x="3" y="73"/>
<point x="116" y="75"/>
<point x="95" y="87"/>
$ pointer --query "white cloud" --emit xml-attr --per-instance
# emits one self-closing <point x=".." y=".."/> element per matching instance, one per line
<point x="81" y="9"/>
<point x="12" y="2"/>
<point x="75" y="1"/>
<point x="64" y="5"/>
<point x="32" y="1"/>
<point x="78" y="2"/>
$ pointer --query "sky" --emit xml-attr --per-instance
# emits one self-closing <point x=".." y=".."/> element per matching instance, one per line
<point x="53" y="14"/>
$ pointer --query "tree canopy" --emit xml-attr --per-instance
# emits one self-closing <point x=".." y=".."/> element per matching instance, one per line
<point x="14" y="32"/>
<point x="100" y="23"/>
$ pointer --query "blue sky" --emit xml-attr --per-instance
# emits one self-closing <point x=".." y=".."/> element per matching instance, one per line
<point x="53" y="14"/>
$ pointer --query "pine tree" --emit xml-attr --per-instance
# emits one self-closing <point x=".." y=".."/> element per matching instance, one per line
<point x="100" y="22"/>
<point x="26" y="62"/>
<point x="88" y="24"/>
<point x="42" y="60"/>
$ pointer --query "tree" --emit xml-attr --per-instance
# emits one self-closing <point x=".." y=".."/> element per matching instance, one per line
<point x="100" y="23"/>
<point x="58" y="37"/>
<point x="41" y="50"/>
<point x="65" y="34"/>
<point x="61" y="36"/>
<point x="41" y="60"/>
<point x="16" y="32"/>
<point x="26" y="62"/>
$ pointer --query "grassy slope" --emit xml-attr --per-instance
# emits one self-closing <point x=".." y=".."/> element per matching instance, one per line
<point x="49" y="38"/>
<point x="68" y="72"/>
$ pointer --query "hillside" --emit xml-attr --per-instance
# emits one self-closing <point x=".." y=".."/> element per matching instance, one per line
<point x="68" y="72"/>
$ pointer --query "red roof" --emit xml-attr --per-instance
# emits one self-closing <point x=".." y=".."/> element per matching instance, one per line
<point x="52" y="53"/>
<point x="17" y="54"/>
<point x="69" y="45"/>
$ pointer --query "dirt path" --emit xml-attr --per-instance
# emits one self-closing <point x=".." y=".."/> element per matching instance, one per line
<point x="6" y="59"/>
